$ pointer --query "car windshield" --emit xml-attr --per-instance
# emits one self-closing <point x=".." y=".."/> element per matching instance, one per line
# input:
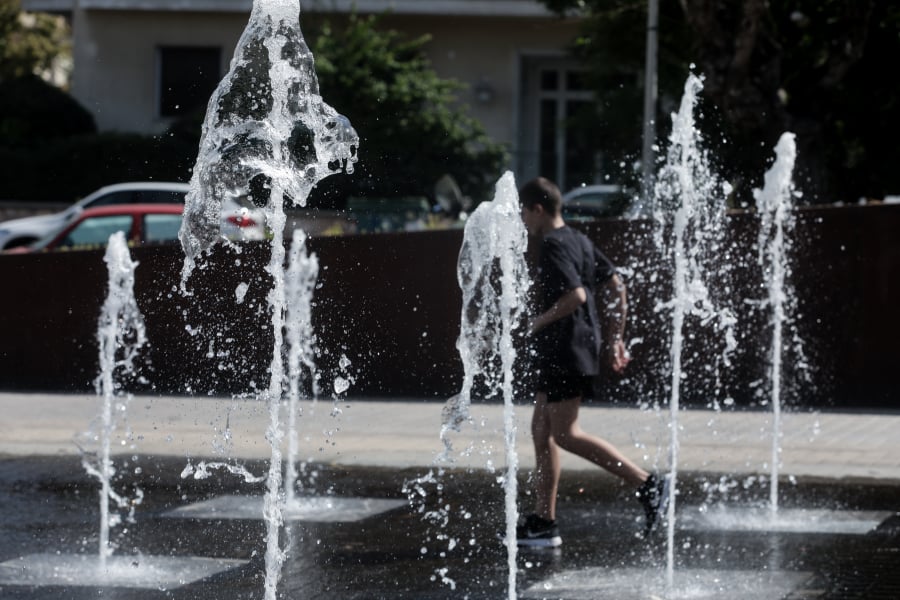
<point x="139" y="196"/>
<point x="110" y="199"/>
<point x="158" y="197"/>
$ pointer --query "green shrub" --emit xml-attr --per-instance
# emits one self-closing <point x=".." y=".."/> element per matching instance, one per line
<point x="32" y="112"/>
<point x="63" y="170"/>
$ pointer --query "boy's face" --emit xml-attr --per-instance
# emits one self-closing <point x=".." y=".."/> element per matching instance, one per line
<point x="533" y="218"/>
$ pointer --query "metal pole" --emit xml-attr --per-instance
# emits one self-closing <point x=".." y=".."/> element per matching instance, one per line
<point x="650" y="93"/>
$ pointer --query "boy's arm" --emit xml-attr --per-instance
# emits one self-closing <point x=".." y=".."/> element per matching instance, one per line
<point x="615" y="302"/>
<point x="565" y="306"/>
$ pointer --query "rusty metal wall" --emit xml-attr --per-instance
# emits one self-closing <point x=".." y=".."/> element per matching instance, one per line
<point x="390" y="304"/>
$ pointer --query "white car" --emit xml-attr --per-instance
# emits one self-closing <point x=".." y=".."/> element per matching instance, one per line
<point x="241" y="220"/>
<point x="595" y="202"/>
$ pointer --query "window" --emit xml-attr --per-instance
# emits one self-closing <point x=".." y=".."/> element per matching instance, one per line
<point x="554" y="94"/>
<point x="187" y="78"/>
<point x="159" y="229"/>
<point x="95" y="231"/>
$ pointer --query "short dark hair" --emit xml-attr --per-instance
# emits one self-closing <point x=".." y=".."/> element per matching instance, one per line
<point x="541" y="191"/>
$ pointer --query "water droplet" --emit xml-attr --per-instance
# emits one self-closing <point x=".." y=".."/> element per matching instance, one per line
<point x="340" y="385"/>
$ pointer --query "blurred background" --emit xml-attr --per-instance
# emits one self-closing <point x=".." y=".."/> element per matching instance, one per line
<point x="446" y="95"/>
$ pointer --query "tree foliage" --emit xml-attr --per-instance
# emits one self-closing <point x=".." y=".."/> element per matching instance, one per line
<point x="814" y="67"/>
<point x="30" y="43"/>
<point x="412" y="130"/>
<point x="612" y="42"/>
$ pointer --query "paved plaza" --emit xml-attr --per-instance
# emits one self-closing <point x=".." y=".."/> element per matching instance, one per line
<point x="378" y="519"/>
<point x="406" y="433"/>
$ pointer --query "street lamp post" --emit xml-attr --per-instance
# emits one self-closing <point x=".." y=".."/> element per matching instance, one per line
<point x="650" y="93"/>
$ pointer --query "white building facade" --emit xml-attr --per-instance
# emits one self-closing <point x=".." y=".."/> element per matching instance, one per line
<point x="139" y="64"/>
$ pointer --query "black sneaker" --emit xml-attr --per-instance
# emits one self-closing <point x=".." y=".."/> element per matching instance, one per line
<point x="654" y="496"/>
<point x="537" y="532"/>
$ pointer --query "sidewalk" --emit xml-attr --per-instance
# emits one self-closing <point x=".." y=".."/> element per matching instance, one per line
<point x="407" y="434"/>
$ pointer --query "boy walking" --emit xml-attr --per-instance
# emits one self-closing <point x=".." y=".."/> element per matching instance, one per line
<point x="566" y="337"/>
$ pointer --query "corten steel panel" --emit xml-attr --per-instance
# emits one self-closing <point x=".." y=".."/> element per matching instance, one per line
<point x="390" y="303"/>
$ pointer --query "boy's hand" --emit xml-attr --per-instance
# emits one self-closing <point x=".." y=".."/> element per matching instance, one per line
<point x="618" y="356"/>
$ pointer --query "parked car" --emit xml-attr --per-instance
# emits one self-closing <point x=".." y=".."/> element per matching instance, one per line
<point x="142" y="224"/>
<point x="382" y="215"/>
<point x="241" y="220"/>
<point x="595" y="202"/>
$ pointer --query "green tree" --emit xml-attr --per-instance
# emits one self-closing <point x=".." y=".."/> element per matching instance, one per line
<point x="412" y="130"/>
<point x="49" y="148"/>
<point x="612" y="43"/>
<point x="30" y="43"/>
<point x="814" y="67"/>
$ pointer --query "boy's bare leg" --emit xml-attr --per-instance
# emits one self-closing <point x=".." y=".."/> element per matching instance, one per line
<point x="568" y="435"/>
<point x="546" y="454"/>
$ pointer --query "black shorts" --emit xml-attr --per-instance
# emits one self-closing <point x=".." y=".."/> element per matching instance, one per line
<point x="563" y="385"/>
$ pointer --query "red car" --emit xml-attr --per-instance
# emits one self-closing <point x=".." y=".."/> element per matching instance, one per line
<point x="142" y="224"/>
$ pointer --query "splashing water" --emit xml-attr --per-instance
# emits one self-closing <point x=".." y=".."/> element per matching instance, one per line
<point x="303" y="270"/>
<point x="689" y="193"/>
<point x="202" y="470"/>
<point x="120" y="335"/>
<point x="266" y="118"/>
<point x="773" y="202"/>
<point x="266" y="127"/>
<point x="493" y="277"/>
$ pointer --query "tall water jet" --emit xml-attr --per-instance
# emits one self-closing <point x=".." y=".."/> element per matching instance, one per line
<point x="493" y="278"/>
<point x="120" y="335"/>
<point x="773" y="203"/>
<point x="689" y="194"/>
<point x="303" y="270"/>
<point x="266" y="129"/>
<point x="265" y="123"/>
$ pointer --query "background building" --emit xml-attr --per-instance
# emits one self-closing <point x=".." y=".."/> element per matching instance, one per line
<point x="139" y="64"/>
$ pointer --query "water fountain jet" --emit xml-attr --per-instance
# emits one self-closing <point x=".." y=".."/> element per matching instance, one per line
<point x="299" y="285"/>
<point x="494" y="281"/>
<point x="121" y="335"/>
<point x="266" y="120"/>
<point x="301" y="279"/>
<point x="688" y="188"/>
<point x="773" y="203"/>
<point x="120" y="332"/>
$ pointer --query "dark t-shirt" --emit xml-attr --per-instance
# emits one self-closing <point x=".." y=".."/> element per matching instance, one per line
<point x="569" y="260"/>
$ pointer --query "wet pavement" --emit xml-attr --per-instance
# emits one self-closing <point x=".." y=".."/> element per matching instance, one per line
<point x="839" y="535"/>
